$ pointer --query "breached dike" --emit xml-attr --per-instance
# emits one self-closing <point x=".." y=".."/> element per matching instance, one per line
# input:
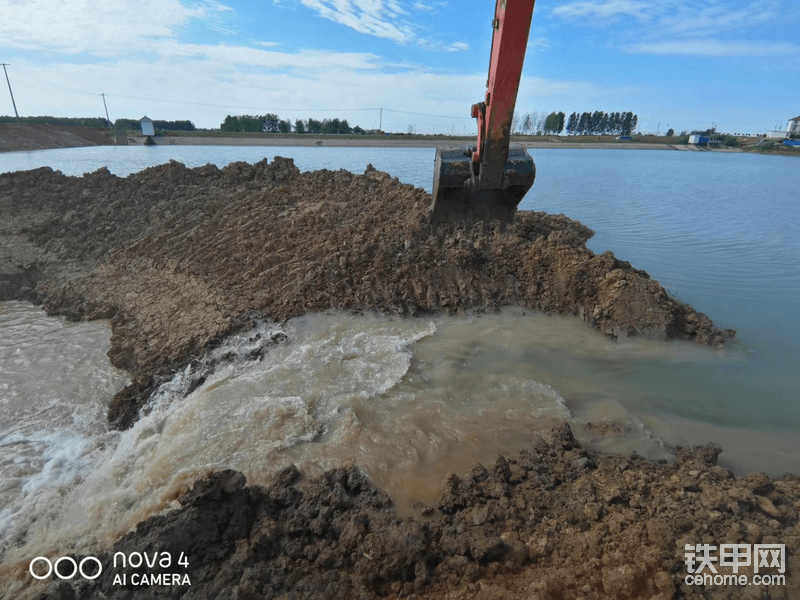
<point x="180" y="258"/>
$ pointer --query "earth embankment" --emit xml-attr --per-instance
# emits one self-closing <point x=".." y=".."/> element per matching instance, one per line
<point x="180" y="257"/>
<point x="23" y="136"/>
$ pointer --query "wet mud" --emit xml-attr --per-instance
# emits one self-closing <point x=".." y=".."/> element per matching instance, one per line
<point x="557" y="521"/>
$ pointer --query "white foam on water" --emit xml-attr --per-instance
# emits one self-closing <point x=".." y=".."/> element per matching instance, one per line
<point x="55" y="383"/>
<point x="246" y="415"/>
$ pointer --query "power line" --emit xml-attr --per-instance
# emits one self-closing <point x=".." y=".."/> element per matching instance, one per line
<point x="405" y="112"/>
<point x="258" y="108"/>
<point x="239" y="106"/>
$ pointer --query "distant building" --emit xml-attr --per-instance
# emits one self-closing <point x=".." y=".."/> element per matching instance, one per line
<point x="698" y="139"/>
<point x="793" y="126"/>
<point x="777" y="135"/>
<point x="147" y="126"/>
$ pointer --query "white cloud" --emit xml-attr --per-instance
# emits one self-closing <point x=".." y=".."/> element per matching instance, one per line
<point x="103" y="28"/>
<point x="217" y="6"/>
<point x="604" y="10"/>
<point x="717" y="18"/>
<point x="233" y="55"/>
<point x="385" y="19"/>
<point x="540" y="44"/>
<point x="710" y="47"/>
<point x="670" y="17"/>
<point x="222" y="30"/>
<point x="99" y="28"/>
<point x="685" y="27"/>
<point x="372" y="17"/>
<point x="458" y="47"/>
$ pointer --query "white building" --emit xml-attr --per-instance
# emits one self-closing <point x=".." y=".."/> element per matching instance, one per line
<point x="793" y="126"/>
<point x="147" y="126"/>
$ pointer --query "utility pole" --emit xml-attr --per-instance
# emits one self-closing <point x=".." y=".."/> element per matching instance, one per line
<point x="9" y="89"/>
<point x="106" y="107"/>
<point x="108" y="119"/>
<point x="380" y="122"/>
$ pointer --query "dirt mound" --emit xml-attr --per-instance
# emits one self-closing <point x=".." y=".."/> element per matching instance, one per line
<point x="180" y="257"/>
<point x="19" y="136"/>
<point x="556" y="522"/>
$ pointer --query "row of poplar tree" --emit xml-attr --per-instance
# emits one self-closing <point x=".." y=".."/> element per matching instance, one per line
<point x="587" y="123"/>
<point x="271" y="123"/>
<point x="599" y="123"/>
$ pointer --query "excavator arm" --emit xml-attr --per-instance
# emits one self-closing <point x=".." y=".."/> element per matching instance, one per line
<point x="488" y="181"/>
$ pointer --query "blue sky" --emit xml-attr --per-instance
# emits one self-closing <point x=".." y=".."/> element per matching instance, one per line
<point x="676" y="63"/>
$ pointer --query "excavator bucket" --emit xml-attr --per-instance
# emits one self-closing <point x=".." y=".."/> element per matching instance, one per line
<point x="459" y="197"/>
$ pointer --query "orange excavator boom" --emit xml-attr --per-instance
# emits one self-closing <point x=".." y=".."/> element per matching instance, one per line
<point x="488" y="181"/>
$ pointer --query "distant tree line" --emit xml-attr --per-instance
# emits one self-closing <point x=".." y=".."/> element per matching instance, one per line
<point x="538" y="123"/>
<point x="602" y="123"/>
<point x="84" y="122"/>
<point x="271" y="123"/>
<point x="123" y="124"/>
<point x="250" y="123"/>
<point x="587" y="123"/>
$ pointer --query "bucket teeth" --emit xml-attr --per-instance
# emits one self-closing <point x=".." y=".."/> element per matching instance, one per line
<point x="458" y="196"/>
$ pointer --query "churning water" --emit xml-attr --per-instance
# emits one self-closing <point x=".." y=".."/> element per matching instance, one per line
<point x="413" y="399"/>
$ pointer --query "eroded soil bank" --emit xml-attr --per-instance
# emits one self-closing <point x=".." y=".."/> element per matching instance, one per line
<point x="556" y="522"/>
<point x="180" y="257"/>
